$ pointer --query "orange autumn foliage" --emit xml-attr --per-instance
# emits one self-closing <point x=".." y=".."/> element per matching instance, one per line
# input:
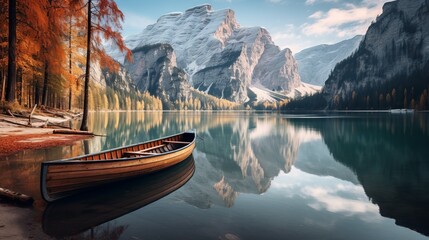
<point x="106" y="26"/>
<point x="51" y="43"/>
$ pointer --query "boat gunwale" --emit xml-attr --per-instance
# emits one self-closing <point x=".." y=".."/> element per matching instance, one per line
<point x="78" y="160"/>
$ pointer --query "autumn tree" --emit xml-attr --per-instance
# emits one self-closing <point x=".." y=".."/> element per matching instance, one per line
<point x="25" y="21"/>
<point x="11" y="63"/>
<point x="104" y="22"/>
<point x="76" y="42"/>
<point x="53" y="53"/>
<point x="3" y="46"/>
<point x="38" y="39"/>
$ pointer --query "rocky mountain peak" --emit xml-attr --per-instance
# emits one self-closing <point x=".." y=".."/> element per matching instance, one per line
<point x="205" y="8"/>
<point x="393" y="57"/>
<point x="218" y="56"/>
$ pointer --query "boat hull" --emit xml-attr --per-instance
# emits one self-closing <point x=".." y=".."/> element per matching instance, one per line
<point x="65" y="177"/>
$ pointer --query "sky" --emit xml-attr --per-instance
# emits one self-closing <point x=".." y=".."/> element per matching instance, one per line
<point x="294" y="24"/>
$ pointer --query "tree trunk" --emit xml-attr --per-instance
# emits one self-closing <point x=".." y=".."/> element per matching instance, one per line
<point x="45" y="86"/>
<point x="11" y="67"/>
<point x="70" y="98"/>
<point x="70" y="64"/>
<point x="36" y="93"/>
<point x="3" y="87"/>
<point x="46" y="76"/>
<point x="19" y="80"/>
<point x="84" y="126"/>
<point x="29" y="87"/>
<point x="53" y="100"/>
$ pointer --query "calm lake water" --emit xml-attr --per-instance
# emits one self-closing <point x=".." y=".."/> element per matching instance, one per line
<point x="251" y="176"/>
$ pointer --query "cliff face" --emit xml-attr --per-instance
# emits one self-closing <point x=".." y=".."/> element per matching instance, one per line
<point x="277" y="70"/>
<point x="103" y="77"/>
<point x="226" y="76"/>
<point x="154" y="69"/>
<point x="395" y="51"/>
<point x="220" y="57"/>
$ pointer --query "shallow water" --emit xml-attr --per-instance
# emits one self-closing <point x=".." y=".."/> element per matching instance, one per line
<point x="252" y="176"/>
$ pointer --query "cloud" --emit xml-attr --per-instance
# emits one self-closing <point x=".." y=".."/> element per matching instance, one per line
<point x="328" y="194"/>
<point x="330" y="199"/>
<point x="316" y="15"/>
<point x="311" y="2"/>
<point x="347" y="21"/>
<point x="290" y="37"/>
<point x="275" y="1"/>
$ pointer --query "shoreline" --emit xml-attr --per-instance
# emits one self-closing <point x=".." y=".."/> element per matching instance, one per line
<point x="16" y="137"/>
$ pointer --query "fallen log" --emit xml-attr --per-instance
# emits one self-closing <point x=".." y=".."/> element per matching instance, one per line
<point x="78" y="132"/>
<point x="15" y="197"/>
<point x="57" y="125"/>
<point x="57" y="114"/>
<point x="16" y="123"/>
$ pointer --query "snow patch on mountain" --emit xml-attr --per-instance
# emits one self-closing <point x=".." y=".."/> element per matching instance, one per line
<point x="263" y="94"/>
<point x="316" y="63"/>
<point x="266" y="95"/>
<point x="305" y="89"/>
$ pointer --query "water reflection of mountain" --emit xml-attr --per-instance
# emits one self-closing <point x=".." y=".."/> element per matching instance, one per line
<point x="389" y="156"/>
<point x="240" y="157"/>
<point x="239" y="153"/>
<point x="250" y="152"/>
<point x="316" y="159"/>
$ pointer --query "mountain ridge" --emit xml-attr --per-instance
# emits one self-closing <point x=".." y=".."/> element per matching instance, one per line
<point x="220" y="57"/>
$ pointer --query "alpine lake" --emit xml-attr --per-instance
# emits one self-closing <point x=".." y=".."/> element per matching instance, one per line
<point x="251" y="176"/>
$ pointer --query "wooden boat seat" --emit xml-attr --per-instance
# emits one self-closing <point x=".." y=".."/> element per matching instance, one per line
<point x="144" y="151"/>
<point x="176" y="142"/>
<point x="139" y="153"/>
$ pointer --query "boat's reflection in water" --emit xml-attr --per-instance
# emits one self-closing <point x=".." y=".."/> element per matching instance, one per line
<point x="76" y="214"/>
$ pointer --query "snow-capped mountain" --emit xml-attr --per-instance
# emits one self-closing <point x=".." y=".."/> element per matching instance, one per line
<point x="220" y="57"/>
<point x="316" y="63"/>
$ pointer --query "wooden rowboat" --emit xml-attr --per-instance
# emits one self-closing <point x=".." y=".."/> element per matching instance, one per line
<point x="62" y="178"/>
<point x="76" y="214"/>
